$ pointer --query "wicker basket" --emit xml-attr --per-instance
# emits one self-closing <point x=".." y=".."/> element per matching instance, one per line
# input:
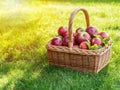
<point x="78" y="59"/>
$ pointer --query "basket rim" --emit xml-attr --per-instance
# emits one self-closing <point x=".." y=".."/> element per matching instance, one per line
<point x="100" y="51"/>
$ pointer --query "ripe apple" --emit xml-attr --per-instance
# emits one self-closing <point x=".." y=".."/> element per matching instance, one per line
<point x="74" y="34"/>
<point x="97" y="41"/>
<point x="65" y="34"/>
<point x="92" y="30"/>
<point x="82" y="36"/>
<point x="66" y="40"/>
<point x="78" y="30"/>
<point x="62" y="30"/>
<point x="57" y="41"/>
<point x="83" y="45"/>
<point x="104" y="35"/>
<point x="75" y="46"/>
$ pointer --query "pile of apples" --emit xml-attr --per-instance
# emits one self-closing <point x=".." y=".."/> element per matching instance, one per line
<point x="87" y="39"/>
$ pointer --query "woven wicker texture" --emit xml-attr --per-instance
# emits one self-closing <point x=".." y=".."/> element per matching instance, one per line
<point x="78" y="59"/>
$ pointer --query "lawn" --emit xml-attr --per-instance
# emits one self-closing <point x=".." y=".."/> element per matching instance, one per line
<point x="25" y="28"/>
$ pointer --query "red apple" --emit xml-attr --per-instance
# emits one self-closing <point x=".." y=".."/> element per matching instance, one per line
<point x="83" y="45"/>
<point x="74" y="34"/>
<point x="82" y="36"/>
<point x="78" y="30"/>
<point x="104" y="35"/>
<point x="75" y="40"/>
<point x="62" y="30"/>
<point x="56" y="41"/>
<point x="92" y="30"/>
<point x="75" y="46"/>
<point x="65" y="34"/>
<point x="97" y="41"/>
<point x="66" y="40"/>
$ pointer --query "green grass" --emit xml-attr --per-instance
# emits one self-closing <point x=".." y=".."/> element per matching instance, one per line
<point x="26" y="27"/>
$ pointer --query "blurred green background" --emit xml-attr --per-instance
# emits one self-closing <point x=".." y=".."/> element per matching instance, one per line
<point x="27" y="25"/>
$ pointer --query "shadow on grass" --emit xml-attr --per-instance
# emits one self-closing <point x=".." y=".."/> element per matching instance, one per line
<point x="41" y="76"/>
<point x="30" y="70"/>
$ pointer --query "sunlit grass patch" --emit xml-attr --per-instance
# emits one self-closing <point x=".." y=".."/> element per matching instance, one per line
<point x="26" y="27"/>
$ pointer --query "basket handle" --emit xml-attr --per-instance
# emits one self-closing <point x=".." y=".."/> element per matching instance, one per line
<point x="70" y="25"/>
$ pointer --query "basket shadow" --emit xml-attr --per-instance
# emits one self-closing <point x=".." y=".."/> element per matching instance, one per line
<point x="55" y="73"/>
